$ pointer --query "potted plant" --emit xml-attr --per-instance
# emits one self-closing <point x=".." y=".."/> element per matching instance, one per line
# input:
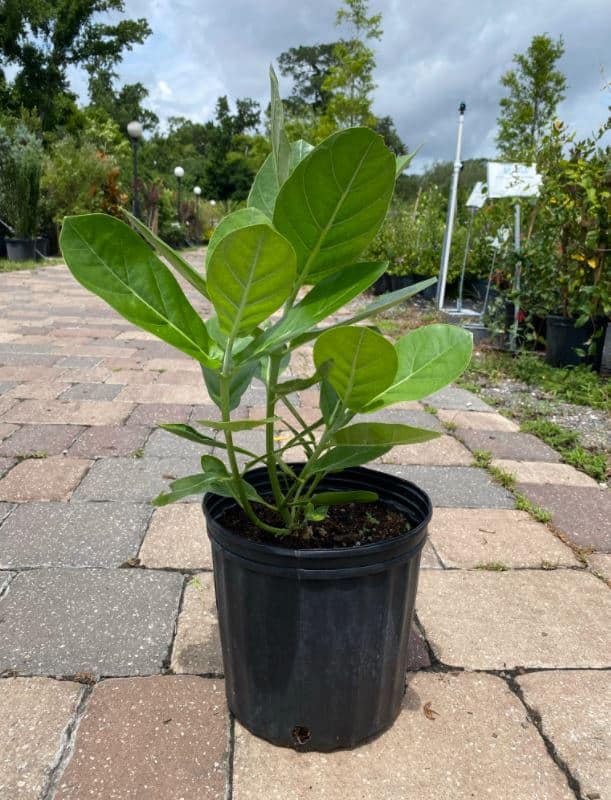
<point x="574" y="203"/>
<point x="316" y="563"/>
<point x="22" y="169"/>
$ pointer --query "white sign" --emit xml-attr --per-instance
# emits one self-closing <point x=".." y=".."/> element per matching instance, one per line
<point x="477" y="198"/>
<point x="512" y="180"/>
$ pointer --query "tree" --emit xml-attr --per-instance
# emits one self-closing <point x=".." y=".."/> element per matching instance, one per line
<point x="123" y="105"/>
<point x="42" y="38"/>
<point x="535" y="87"/>
<point x="309" y="67"/>
<point x="350" y="81"/>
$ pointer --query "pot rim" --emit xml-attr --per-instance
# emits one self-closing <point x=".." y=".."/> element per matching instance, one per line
<point x="314" y="558"/>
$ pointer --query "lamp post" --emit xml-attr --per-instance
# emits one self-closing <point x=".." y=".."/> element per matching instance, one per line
<point x="179" y="173"/>
<point x="197" y="192"/>
<point x="134" y="131"/>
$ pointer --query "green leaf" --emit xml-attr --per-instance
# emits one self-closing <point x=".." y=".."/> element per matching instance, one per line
<point x="212" y="465"/>
<point x="364" y="363"/>
<point x="251" y="273"/>
<point x="429" y="358"/>
<point x="176" y="260"/>
<point x="235" y="424"/>
<point x="345" y="456"/>
<point x="188" y="432"/>
<point x="233" y="222"/>
<point x="110" y="259"/>
<point x="224" y="485"/>
<point x="280" y="142"/>
<point x="328" y="401"/>
<point x="366" y="434"/>
<point x="343" y="498"/>
<point x="403" y="162"/>
<point x="265" y="187"/>
<point x="299" y="384"/>
<point x="332" y="205"/>
<point x="239" y="382"/>
<point x="320" y="302"/>
<point x="313" y="514"/>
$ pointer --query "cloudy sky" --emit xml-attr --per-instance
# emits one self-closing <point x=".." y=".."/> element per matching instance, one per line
<point x="432" y="56"/>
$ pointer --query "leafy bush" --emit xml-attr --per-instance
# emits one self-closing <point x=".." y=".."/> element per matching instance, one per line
<point x="20" y="173"/>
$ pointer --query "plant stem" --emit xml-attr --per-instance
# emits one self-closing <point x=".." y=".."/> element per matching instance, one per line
<point x="225" y="380"/>
<point x="272" y="468"/>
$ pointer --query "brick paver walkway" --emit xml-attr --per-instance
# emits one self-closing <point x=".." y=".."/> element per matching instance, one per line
<point x="111" y="679"/>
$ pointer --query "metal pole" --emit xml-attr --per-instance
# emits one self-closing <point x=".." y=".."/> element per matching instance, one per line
<point x="447" y="238"/>
<point x="513" y="340"/>
<point x="178" y="199"/>
<point x="136" y="196"/>
<point x="464" y="261"/>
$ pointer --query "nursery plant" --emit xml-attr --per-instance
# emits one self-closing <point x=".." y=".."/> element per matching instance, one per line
<point x="276" y="272"/>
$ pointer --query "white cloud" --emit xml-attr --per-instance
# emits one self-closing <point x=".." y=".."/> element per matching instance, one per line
<point x="163" y="92"/>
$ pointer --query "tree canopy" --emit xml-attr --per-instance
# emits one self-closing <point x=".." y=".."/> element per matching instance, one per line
<point x="534" y="87"/>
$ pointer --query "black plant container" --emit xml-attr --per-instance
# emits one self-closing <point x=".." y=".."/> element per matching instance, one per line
<point x="564" y="341"/>
<point x="315" y="641"/>
<point x="21" y="249"/>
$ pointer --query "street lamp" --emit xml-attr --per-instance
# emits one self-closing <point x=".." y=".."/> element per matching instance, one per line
<point x="197" y="192"/>
<point x="179" y="174"/>
<point x="134" y="131"/>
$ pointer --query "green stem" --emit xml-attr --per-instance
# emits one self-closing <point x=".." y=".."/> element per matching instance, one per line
<point x="270" y="409"/>
<point x="225" y="379"/>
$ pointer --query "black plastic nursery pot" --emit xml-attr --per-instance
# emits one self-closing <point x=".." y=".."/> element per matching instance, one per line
<point x="21" y="249"/>
<point x="564" y="341"/>
<point x="315" y="641"/>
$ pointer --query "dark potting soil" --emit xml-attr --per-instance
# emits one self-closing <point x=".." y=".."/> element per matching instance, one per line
<point x="350" y="525"/>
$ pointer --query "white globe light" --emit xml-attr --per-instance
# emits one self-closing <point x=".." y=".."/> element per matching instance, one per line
<point x="197" y="190"/>
<point x="134" y="130"/>
<point x="179" y="172"/>
<point x="213" y="202"/>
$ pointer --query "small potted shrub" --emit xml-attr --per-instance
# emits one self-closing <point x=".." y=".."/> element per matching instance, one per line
<point x="22" y="170"/>
<point x="315" y="560"/>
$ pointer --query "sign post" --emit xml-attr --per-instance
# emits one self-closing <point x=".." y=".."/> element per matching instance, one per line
<point x="447" y="238"/>
<point x="514" y="180"/>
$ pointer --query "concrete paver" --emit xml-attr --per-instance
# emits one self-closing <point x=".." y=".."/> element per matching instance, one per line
<point x="177" y="538"/>
<point x="159" y="738"/>
<point x="477" y="420"/>
<point x="133" y="479"/>
<point x="453" y="397"/>
<point x="600" y="564"/>
<point x="467" y="537"/>
<point x="448" y="487"/>
<point x="53" y="478"/>
<point x="103" y="441"/>
<point x="69" y="412"/>
<point x="49" y="439"/>
<point x="444" y="451"/>
<point x="583" y="513"/>
<point x="104" y="622"/>
<point x="575" y="709"/>
<point x="505" y="444"/>
<point x="542" y="472"/>
<point x="503" y="620"/>
<point x="476" y="742"/>
<point x="72" y="534"/>
<point x="34" y="716"/>
<point x="197" y="646"/>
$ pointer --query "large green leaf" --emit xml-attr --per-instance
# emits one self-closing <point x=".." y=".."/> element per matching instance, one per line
<point x="332" y="205"/>
<point x="324" y="299"/>
<point x="251" y="273"/>
<point x="429" y="358"/>
<point x="176" y="260"/>
<point x="233" y="222"/>
<point x="216" y="482"/>
<point x="344" y="456"/>
<point x="367" y="434"/>
<point x="364" y="363"/>
<point x="265" y="187"/>
<point x="280" y="142"/>
<point x="110" y="259"/>
<point x="403" y="162"/>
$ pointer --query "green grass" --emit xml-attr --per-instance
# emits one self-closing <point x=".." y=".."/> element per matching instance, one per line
<point x="578" y="385"/>
<point x="566" y="442"/>
<point x="482" y="458"/>
<point x="492" y="566"/>
<point x="17" y="266"/>
<point x="537" y="512"/>
<point x="505" y="479"/>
